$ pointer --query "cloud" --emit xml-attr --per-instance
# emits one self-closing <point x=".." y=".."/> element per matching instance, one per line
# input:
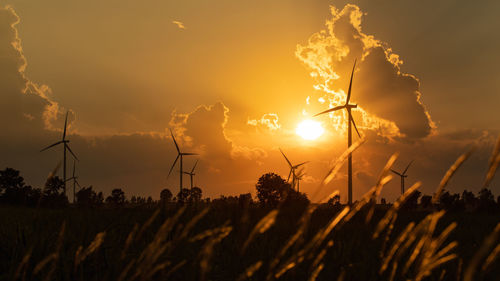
<point x="25" y="106"/>
<point x="385" y="94"/>
<point x="269" y="121"/>
<point x="179" y="24"/>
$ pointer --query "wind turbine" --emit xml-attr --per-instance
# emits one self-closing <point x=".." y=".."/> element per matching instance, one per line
<point x="292" y="169"/>
<point x="179" y="155"/>
<point x="298" y="177"/>
<point x="350" y="122"/>
<point x="75" y="181"/>
<point x="192" y="174"/>
<point x="403" y="175"/>
<point x="65" y="142"/>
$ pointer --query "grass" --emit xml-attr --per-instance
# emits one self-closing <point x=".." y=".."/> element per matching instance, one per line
<point x="232" y="241"/>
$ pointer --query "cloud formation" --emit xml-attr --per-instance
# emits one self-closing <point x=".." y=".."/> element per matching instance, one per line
<point x="379" y="86"/>
<point x="24" y="105"/>
<point x="179" y="24"/>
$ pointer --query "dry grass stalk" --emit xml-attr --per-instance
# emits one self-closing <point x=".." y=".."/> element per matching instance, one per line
<point x="480" y="255"/>
<point x="262" y="226"/>
<point x="80" y="255"/>
<point x="388" y="217"/>
<point x="449" y="174"/>
<point x="250" y="271"/>
<point x="493" y="164"/>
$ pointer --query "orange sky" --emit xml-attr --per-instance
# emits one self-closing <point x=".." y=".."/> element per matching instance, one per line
<point x="215" y="72"/>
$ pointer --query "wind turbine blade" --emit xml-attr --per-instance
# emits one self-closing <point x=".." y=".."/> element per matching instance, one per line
<point x="175" y="142"/>
<point x="70" y="151"/>
<point x="72" y="178"/>
<point x="189" y="154"/>
<point x="173" y="165"/>
<point x="65" y="125"/>
<point x="404" y="172"/>
<point x="288" y="161"/>
<point x="192" y="170"/>
<point x="355" y="127"/>
<point x="52" y="145"/>
<point x="289" y="174"/>
<point x="350" y="84"/>
<point x="74" y="168"/>
<point x="77" y="183"/>
<point x="396" y="173"/>
<point x="330" y="110"/>
<point x="298" y="165"/>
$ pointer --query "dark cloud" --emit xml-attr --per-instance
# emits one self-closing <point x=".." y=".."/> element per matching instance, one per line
<point x="24" y="105"/>
<point x="379" y="86"/>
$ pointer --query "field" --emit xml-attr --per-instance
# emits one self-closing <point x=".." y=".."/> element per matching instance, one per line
<point x="242" y="242"/>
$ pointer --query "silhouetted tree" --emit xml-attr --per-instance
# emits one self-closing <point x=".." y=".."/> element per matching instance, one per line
<point x="450" y="201"/>
<point x="486" y="200"/>
<point x="335" y="200"/>
<point x="183" y="195"/>
<point x="245" y="199"/>
<point x="271" y="189"/>
<point x="10" y="179"/>
<point x="412" y="200"/>
<point x="53" y="193"/>
<point x="165" y="196"/>
<point x="426" y="201"/>
<point x="87" y="197"/>
<point x="469" y="200"/>
<point x="195" y="194"/>
<point x="117" y="197"/>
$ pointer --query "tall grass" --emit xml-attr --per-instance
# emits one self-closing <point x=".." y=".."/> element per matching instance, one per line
<point x="364" y="241"/>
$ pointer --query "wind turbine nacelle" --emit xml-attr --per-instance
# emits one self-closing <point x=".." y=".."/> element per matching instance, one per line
<point x="351" y="106"/>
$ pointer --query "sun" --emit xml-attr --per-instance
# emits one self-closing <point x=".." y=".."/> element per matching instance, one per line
<point x="309" y="130"/>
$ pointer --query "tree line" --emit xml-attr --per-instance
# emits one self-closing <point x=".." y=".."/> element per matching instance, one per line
<point x="271" y="190"/>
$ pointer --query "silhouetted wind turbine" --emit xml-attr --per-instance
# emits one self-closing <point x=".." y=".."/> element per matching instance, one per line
<point x="299" y="177"/>
<point x="348" y="107"/>
<point x="75" y="181"/>
<point x="179" y="155"/>
<point x="192" y="174"/>
<point x="65" y="142"/>
<point x="403" y="175"/>
<point x="292" y="169"/>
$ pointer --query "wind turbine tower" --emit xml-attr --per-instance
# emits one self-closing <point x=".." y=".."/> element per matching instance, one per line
<point x="347" y="106"/>
<point x="179" y="157"/>
<point x="64" y="142"/>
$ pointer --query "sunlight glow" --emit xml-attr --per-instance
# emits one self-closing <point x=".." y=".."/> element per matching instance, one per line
<point x="309" y="130"/>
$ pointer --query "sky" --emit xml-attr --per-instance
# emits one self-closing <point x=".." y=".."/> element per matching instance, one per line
<point x="233" y="79"/>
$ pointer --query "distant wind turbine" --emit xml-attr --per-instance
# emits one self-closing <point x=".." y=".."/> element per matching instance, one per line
<point x="65" y="142"/>
<point x="403" y="175"/>
<point x="298" y="177"/>
<point x="75" y="181"/>
<point x="192" y="174"/>
<point x="179" y="155"/>
<point x="293" y="168"/>
<point x="350" y="121"/>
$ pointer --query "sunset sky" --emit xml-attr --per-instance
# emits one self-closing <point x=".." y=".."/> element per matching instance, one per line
<point x="233" y="79"/>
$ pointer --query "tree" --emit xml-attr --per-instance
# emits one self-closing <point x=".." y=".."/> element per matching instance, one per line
<point x="412" y="200"/>
<point x="53" y="193"/>
<point x="165" y="196"/>
<point x="183" y="195"/>
<point x="335" y="200"/>
<point x="426" y="201"/>
<point x="195" y="194"/>
<point x="486" y="200"/>
<point x="87" y="197"/>
<point x="271" y="189"/>
<point x="10" y="178"/>
<point x="469" y="200"/>
<point x="117" y="197"/>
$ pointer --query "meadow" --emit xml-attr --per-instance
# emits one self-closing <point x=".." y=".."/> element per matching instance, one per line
<point x="232" y="241"/>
